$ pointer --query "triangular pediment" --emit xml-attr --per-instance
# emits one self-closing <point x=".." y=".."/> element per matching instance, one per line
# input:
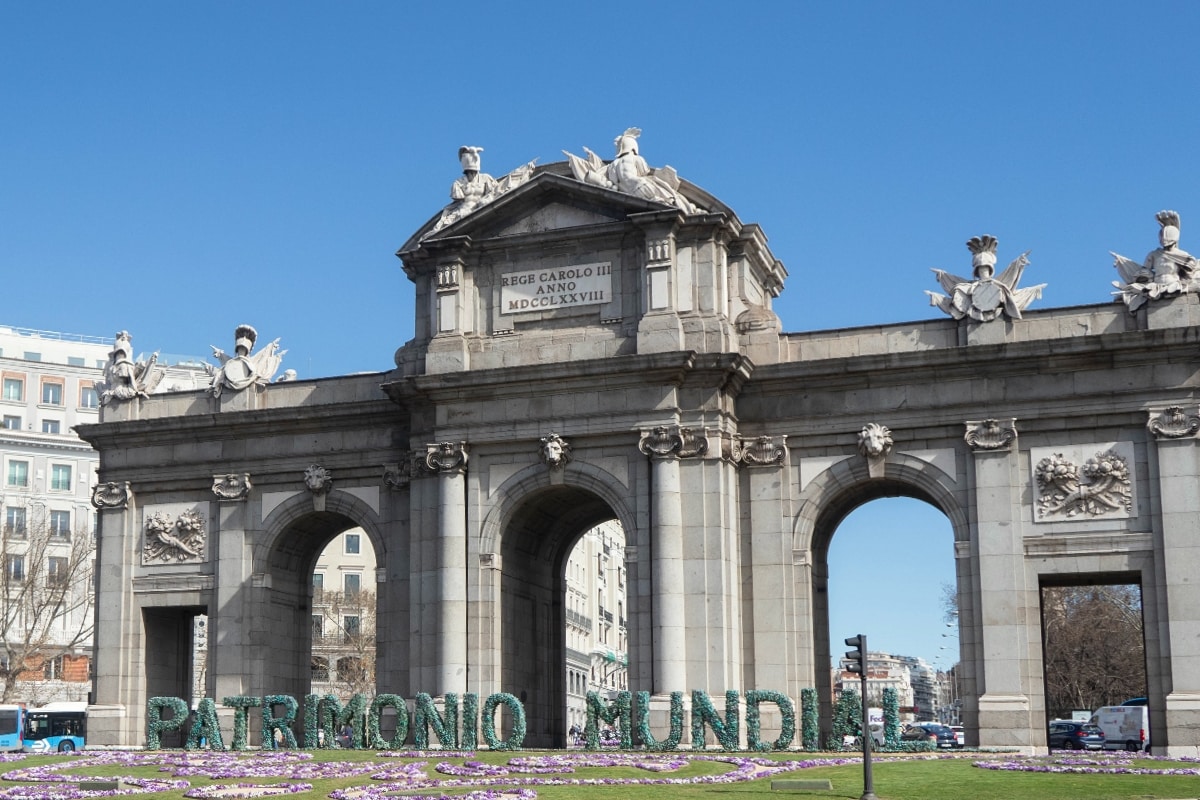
<point x="547" y="202"/>
<point x="553" y="216"/>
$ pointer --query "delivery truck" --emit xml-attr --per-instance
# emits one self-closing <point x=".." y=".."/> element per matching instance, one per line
<point x="1125" y="727"/>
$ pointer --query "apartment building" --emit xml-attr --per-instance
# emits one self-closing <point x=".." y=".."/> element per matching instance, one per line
<point x="48" y="385"/>
<point x="597" y="659"/>
<point x="343" y="617"/>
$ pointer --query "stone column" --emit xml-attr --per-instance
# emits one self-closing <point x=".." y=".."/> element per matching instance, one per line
<point x="119" y="648"/>
<point x="666" y="560"/>
<point x="1175" y="433"/>
<point x="1004" y="707"/>
<point x="229" y="620"/>
<point x="449" y="461"/>
<point x="770" y="558"/>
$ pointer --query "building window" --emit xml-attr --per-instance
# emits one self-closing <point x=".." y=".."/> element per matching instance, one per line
<point x="52" y="394"/>
<point x="14" y="389"/>
<point x="30" y="355"/>
<point x="351" y="626"/>
<point x="60" y="524"/>
<point x="353" y="544"/>
<point x="352" y="584"/>
<point x="320" y="668"/>
<point x="52" y="668"/>
<point x="14" y="568"/>
<point x="18" y="474"/>
<point x="75" y="361"/>
<point x="14" y="522"/>
<point x="60" y="477"/>
<point x="318" y="627"/>
<point x="51" y="426"/>
<point x="318" y="585"/>
<point x="12" y="422"/>
<point x="88" y="397"/>
<point x="56" y="571"/>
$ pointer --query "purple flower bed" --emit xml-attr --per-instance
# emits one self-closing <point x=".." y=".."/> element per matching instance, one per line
<point x="1120" y="764"/>
<point x="219" y="790"/>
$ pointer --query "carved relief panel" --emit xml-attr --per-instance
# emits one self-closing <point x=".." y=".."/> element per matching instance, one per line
<point x="1078" y="483"/>
<point x="174" y="535"/>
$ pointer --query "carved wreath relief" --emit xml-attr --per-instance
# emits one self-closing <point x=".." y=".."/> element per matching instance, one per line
<point x="1068" y="485"/>
<point x="180" y="539"/>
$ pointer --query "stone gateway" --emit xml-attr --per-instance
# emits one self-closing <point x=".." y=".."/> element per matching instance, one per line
<point x="595" y="341"/>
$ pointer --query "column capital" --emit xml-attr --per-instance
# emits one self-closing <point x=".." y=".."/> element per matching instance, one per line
<point x="671" y="441"/>
<point x="113" y="494"/>
<point x="446" y="457"/>
<point x="990" y="435"/>
<point x="232" y="486"/>
<point x="762" y="451"/>
<point x="1172" y="423"/>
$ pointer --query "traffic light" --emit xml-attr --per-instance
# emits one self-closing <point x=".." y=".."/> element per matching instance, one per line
<point x="857" y="658"/>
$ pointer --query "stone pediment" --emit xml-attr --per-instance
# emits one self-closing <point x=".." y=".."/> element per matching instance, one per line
<point x="551" y="200"/>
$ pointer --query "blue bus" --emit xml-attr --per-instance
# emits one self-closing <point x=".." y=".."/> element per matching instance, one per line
<point x="12" y="721"/>
<point x="57" y="727"/>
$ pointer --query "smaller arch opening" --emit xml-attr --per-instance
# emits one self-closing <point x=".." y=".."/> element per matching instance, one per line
<point x="884" y="556"/>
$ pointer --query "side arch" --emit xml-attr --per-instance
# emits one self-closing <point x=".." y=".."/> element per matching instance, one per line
<point x="294" y="531"/>
<point x="826" y="501"/>
<point x="835" y="492"/>
<point x="280" y="599"/>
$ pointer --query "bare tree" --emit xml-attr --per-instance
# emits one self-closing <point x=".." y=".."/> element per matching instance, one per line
<point x="949" y="603"/>
<point x="1094" y="648"/>
<point x="45" y="604"/>
<point x="343" y="649"/>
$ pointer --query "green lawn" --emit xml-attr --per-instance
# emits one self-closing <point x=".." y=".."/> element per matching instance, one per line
<point x="895" y="779"/>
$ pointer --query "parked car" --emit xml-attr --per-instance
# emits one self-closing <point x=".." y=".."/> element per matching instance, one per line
<point x="1065" y="734"/>
<point x="960" y="735"/>
<point x="938" y="735"/>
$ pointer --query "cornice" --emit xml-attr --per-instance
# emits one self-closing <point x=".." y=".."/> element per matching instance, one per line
<point x="267" y="422"/>
<point x="1046" y="356"/>
<point x="619" y="372"/>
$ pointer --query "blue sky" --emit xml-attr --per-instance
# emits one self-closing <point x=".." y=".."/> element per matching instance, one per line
<point x="176" y="169"/>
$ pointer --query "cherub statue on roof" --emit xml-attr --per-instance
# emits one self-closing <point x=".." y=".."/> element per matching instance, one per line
<point x="242" y="370"/>
<point x="986" y="297"/>
<point x="629" y="173"/>
<point x="125" y="379"/>
<point x="1166" y="272"/>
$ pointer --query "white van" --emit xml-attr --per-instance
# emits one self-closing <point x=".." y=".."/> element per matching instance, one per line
<point x="1125" y="727"/>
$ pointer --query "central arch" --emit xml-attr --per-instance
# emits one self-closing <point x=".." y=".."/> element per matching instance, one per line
<point x="533" y="530"/>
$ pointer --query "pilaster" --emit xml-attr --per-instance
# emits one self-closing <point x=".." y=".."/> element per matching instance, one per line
<point x="764" y="461"/>
<point x="1005" y="613"/>
<point x="449" y="461"/>
<point x="1174" y="431"/>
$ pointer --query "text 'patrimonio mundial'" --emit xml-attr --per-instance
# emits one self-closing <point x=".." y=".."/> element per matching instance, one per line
<point x="559" y="287"/>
